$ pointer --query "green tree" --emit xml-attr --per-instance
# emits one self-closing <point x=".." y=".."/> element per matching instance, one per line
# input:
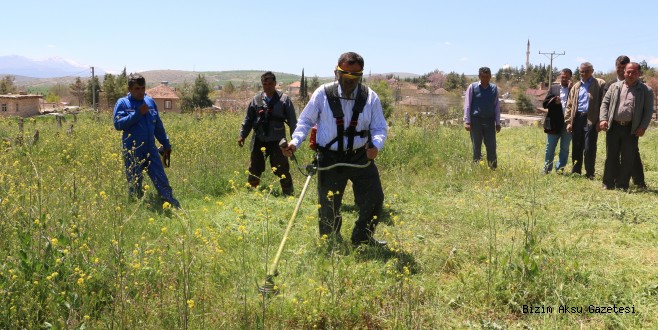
<point x="229" y="88"/>
<point x="52" y="98"/>
<point x="523" y="103"/>
<point x="196" y="96"/>
<point x="576" y="74"/>
<point x="88" y="90"/>
<point x="60" y="90"/>
<point x="303" y="93"/>
<point x="120" y="85"/>
<point x="77" y="89"/>
<point x="315" y="83"/>
<point x="453" y="81"/>
<point x="109" y="89"/>
<point x="7" y="85"/>
<point x="385" y="94"/>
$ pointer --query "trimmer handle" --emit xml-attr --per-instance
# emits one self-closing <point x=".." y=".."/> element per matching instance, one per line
<point x="283" y="143"/>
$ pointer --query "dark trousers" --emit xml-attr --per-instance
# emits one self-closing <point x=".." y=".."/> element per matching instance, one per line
<point x="277" y="160"/>
<point x="484" y="130"/>
<point x="621" y="153"/>
<point x="637" y="173"/>
<point x="367" y="187"/>
<point x="584" y="139"/>
<point x="638" y="170"/>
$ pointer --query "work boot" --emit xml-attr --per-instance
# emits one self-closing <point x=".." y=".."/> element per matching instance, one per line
<point x="172" y="201"/>
<point x="287" y="186"/>
<point x="287" y="190"/>
<point x="254" y="183"/>
<point x="361" y="236"/>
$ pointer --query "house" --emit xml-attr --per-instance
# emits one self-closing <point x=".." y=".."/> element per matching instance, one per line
<point x="21" y="105"/>
<point x="293" y="88"/>
<point x="165" y="97"/>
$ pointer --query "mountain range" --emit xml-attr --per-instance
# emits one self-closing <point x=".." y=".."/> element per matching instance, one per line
<point x="49" y="68"/>
<point x="57" y="70"/>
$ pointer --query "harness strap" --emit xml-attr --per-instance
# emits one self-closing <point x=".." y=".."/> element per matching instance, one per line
<point x="331" y="90"/>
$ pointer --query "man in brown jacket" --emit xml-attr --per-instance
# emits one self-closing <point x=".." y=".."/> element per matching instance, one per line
<point x="582" y="118"/>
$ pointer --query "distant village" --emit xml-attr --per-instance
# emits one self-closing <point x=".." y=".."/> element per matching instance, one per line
<point x="436" y="93"/>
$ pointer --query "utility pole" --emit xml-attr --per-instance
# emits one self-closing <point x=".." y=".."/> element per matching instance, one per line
<point x="553" y="55"/>
<point x="93" y="90"/>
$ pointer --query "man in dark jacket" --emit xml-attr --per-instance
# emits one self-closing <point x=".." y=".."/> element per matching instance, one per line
<point x="556" y="103"/>
<point x="266" y="115"/>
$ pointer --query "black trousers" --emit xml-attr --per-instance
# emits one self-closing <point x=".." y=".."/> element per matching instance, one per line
<point x="484" y="130"/>
<point x="621" y="153"/>
<point x="584" y="140"/>
<point x="277" y="160"/>
<point x="637" y="173"/>
<point x="367" y="187"/>
<point x="638" y="170"/>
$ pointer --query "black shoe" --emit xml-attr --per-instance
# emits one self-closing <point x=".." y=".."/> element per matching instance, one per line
<point x="641" y="186"/>
<point x="371" y="241"/>
<point x="606" y="187"/>
<point x="287" y="193"/>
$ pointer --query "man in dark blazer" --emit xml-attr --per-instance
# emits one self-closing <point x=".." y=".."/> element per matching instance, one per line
<point x="637" y="173"/>
<point x="556" y="103"/>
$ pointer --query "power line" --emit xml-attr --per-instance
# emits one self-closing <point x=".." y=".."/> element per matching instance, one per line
<point x="553" y="55"/>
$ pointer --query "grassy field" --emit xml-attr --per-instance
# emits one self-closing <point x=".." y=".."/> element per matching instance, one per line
<point x="468" y="247"/>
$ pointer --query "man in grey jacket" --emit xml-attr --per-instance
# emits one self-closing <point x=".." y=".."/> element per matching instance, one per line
<point x="626" y="111"/>
<point x="266" y="115"/>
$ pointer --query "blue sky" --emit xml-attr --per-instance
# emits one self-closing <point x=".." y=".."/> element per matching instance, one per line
<point x="286" y="36"/>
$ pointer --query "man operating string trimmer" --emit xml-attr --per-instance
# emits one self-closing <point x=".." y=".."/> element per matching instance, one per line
<point x="351" y="128"/>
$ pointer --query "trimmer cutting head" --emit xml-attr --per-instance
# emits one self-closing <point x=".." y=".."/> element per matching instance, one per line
<point x="268" y="288"/>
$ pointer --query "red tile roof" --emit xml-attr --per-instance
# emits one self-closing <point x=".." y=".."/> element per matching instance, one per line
<point x="162" y="92"/>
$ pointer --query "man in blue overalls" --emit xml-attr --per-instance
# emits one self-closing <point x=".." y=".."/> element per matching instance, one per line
<point x="137" y="116"/>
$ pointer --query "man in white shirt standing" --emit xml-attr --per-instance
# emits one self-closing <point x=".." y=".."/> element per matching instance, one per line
<point x="351" y="129"/>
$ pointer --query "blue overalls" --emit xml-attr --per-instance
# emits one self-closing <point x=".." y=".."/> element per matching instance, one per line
<point x="139" y="149"/>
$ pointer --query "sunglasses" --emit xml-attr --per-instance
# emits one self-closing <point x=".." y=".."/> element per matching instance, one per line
<point x="348" y="74"/>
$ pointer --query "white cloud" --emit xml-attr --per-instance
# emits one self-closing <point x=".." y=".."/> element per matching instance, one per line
<point x="651" y="60"/>
<point x="51" y="46"/>
<point x="463" y="59"/>
<point x="448" y="43"/>
<point x="506" y="66"/>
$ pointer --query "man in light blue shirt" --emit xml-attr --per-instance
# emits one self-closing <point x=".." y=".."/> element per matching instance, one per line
<point x="582" y="119"/>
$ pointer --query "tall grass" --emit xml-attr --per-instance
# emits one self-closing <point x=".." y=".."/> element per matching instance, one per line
<point x="468" y="247"/>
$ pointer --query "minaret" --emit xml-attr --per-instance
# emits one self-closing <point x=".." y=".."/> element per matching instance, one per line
<point x="527" y="56"/>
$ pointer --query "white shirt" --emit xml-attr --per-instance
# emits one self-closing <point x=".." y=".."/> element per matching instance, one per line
<point x="317" y="111"/>
<point x="564" y="95"/>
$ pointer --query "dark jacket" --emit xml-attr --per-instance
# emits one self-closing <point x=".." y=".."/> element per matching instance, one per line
<point x="554" y="120"/>
<point x="267" y="120"/>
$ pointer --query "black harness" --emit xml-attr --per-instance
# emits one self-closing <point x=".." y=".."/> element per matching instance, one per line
<point x="264" y="112"/>
<point x="331" y="90"/>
